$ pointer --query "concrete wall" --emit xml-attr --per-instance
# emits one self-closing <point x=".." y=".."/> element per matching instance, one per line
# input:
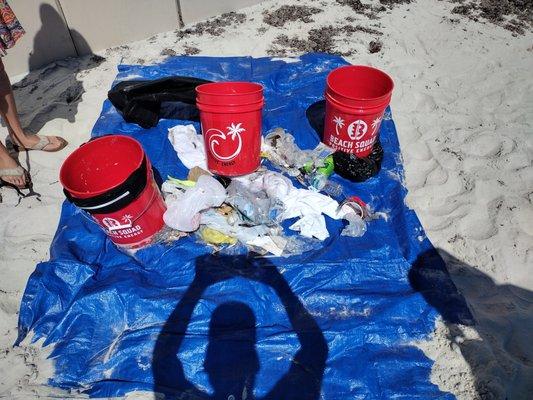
<point x="56" y="29"/>
<point x="197" y="10"/>
<point x="99" y="24"/>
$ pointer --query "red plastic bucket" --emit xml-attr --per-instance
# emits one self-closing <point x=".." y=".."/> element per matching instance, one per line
<point x="230" y="114"/>
<point x="356" y="98"/>
<point x="111" y="178"/>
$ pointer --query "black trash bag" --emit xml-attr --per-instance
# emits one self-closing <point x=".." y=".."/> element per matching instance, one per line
<point x="144" y="102"/>
<point x="346" y="165"/>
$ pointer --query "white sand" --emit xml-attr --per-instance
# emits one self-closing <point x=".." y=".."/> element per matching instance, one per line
<point x="463" y="106"/>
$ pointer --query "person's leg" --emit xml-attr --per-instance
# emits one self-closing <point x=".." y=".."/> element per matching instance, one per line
<point x="6" y="162"/>
<point x="8" y="111"/>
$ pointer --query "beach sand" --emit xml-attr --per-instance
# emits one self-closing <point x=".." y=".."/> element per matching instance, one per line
<point x="463" y="106"/>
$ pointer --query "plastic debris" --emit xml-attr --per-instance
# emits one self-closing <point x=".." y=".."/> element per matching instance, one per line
<point x="255" y="205"/>
<point x="279" y="147"/>
<point x="356" y="212"/>
<point x="310" y="167"/>
<point x="281" y="150"/>
<point x="183" y="212"/>
<point x="287" y="202"/>
<point x="319" y="171"/>
<point x="312" y="225"/>
<point x="356" y="226"/>
<point x="302" y="202"/>
<point x="276" y="185"/>
<point x="188" y="145"/>
<point x="214" y="237"/>
<point x="168" y="235"/>
<point x="195" y="173"/>
<point x="181" y="183"/>
<point x="357" y="205"/>
<point x="233" y="226"/>
<point x="271" y="244"/>
<point x="297" y="245"/>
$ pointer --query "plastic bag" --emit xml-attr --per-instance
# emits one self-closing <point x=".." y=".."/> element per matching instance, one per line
<point x="183" y="212"/>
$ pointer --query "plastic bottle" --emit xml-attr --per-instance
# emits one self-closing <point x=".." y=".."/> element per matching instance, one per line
<point x="332" y="189"/>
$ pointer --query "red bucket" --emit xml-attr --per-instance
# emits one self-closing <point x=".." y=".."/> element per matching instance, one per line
<point x="356" y="98"/>
<point x="230" y="114"/>
<point x="111" y="178"/>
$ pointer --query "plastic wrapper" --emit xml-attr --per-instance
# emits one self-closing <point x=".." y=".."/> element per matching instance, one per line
<point x="356" y="226"/>
<point x="284" y="153"/>
<point x="256" y="206"/>
<point x="183" y="212"/>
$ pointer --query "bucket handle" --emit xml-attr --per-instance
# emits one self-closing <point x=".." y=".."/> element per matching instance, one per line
<point x="128" y="225"/>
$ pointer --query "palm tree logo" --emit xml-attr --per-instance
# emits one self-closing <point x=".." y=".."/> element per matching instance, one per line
<point x="375" y="123"/>
<point x="339" y="123"/>
<point x="216" y="137"/>
<point x="235" y="130"/>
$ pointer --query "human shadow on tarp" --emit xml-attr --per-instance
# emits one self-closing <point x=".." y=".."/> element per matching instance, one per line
<point x="231" y="360"/>
<point x="500" y="357"/>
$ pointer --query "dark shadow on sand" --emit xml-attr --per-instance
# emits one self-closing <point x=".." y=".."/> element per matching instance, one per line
<point x="502" y="315"/>
<point x="231" y="360"/>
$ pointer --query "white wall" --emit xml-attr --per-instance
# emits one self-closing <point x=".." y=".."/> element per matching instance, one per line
<point x="56" y="29"/>
<point x="197" y="10"/>
<point x="100" y="24"/>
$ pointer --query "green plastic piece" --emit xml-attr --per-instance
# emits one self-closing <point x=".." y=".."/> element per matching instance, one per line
<point x="327" y="167"/>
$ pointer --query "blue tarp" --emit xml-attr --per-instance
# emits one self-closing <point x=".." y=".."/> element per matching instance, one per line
<point x="337" y="322"/>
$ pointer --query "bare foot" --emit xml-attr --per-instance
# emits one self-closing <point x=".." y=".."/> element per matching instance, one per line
<point x="8" y="163"/>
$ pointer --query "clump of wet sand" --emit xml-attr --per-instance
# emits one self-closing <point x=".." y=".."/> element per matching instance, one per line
<point x="214" y="26"/>
<point x="286" y="13"/>
<point x="321" y="40"/>
<point x="513" y="15"/>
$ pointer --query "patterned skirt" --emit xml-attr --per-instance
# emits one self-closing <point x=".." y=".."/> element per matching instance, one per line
<point x="10" y="28"/>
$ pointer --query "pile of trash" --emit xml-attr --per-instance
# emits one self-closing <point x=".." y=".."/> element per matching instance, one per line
<point x="249" y="210"/>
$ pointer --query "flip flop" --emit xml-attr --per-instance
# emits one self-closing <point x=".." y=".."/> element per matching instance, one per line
<point x="40" y="145"/>
<point x="17" y="171"/>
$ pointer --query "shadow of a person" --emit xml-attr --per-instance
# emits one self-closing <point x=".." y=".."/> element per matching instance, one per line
<point x="53" y="25"/>
<point x="500" y="356"/>
<point x="232" y="362"/>
<point x="53" y="91"/>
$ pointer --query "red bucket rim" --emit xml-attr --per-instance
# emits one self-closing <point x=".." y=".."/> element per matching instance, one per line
<point x="204" y="88"/>
<point x="74" y="154"/>
<point x="388" y="79"/>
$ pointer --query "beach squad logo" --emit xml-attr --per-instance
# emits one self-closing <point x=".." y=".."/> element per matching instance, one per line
<point x="114" y="225"/>
<point x="361" y="137"/>
<point x="357" y="129"/>
<point x="124" y="229"/>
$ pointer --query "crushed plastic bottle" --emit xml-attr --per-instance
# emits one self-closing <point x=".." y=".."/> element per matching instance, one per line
<point x="332" y="189"/>
<point x="318" y="177"/>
